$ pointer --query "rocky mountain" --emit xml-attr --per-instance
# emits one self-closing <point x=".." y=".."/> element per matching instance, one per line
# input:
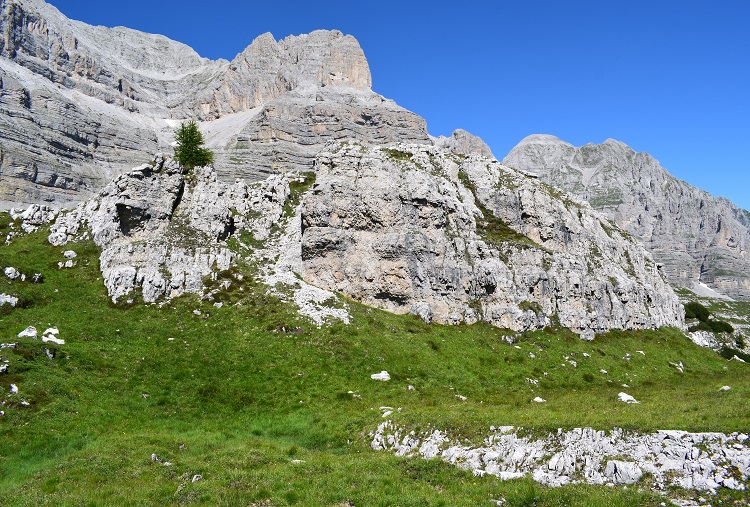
<point x="396" y="219"/>
<point x="409" y="228"/>
<point x="80" y="104"/>
<point x="702" y="241"/>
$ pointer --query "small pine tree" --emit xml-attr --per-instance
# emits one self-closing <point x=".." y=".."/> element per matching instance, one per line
<point x="189" y="153"/>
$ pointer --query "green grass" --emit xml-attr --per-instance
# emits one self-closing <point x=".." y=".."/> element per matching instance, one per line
<point x="244" y="390"/>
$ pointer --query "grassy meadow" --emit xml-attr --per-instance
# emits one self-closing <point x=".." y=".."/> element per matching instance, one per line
<point x="261" y="404"/>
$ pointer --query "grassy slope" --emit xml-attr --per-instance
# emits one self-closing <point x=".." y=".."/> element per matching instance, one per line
<point x="236" y="398"/>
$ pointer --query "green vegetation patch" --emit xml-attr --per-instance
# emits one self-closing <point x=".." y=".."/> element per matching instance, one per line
<point x="398" y="155"/>
<point x="493" y="229"/>
<point x="297" y="188"/>
<point x="267" y="409"/>
<point x="696" y="311"/>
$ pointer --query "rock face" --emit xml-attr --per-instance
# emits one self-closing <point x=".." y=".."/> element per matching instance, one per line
<point x="410" y="229"/>
<point x="459" y="239"/>
<point x="464" y="143"/>
<point x="80" y="104"/>
<point x="697" y="237"/>
<point x="161" y="235"/>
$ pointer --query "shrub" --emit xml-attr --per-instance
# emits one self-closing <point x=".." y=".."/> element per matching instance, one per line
<point x="719" y="326"/>
<point x="694" y="310"/>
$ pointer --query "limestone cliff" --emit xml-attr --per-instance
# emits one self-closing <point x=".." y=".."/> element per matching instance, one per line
<point x="407" y="228"/>
<point x="697" y="237"/>
<point x="80" y="104"/>
<point x="453" y="239"/>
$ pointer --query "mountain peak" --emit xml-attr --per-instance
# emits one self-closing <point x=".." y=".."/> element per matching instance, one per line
<point x="541" y="139"/>
<point x="321" y="58"/>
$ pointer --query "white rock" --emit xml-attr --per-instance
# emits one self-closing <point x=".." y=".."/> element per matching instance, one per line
<point x="383" y="375"/>
<point x="14" y="389"/>
<point x="623" y="472"/>
<point x="12" y="273"/>
<point x="53" y="339"/>
<point x="539" y="399"/>
<point x="626" y="398"/>
<point x="724" y="388"/>
<point x="70" y="254"/>
<point x="7" y="298"/>
<point x="29" y="332"/>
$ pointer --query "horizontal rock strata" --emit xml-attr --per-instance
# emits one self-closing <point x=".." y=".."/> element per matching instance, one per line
<point x="80" y="104"/>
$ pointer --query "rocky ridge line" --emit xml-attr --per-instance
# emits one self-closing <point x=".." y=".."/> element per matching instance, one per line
<point x="80" y="104"/>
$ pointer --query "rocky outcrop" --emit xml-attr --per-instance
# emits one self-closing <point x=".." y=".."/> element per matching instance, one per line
<point x="161" y="235"/>
<point x="697" y="237"/>
<point x="464" y="143"/>
<point x="460" y="239"/>
<point x="80" y="104"/>
<point x="700" y="461"/>
<point x="410" y="229"/>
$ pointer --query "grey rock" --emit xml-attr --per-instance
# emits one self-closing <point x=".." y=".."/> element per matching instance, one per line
<point x="163" y="235"/>
<point x="623" y="472"/>
<point x="81" y="104"/>
<point x="698" y="461"/>
<point x="697" y="238"/>
<point x="464" y="143"/>
<point x="410" y="229"/>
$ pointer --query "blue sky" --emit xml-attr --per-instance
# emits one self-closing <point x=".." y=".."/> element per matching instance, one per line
<point x="666" y="77"/>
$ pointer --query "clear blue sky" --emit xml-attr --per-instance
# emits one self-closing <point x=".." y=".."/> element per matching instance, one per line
<point x="671" y="78"/>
